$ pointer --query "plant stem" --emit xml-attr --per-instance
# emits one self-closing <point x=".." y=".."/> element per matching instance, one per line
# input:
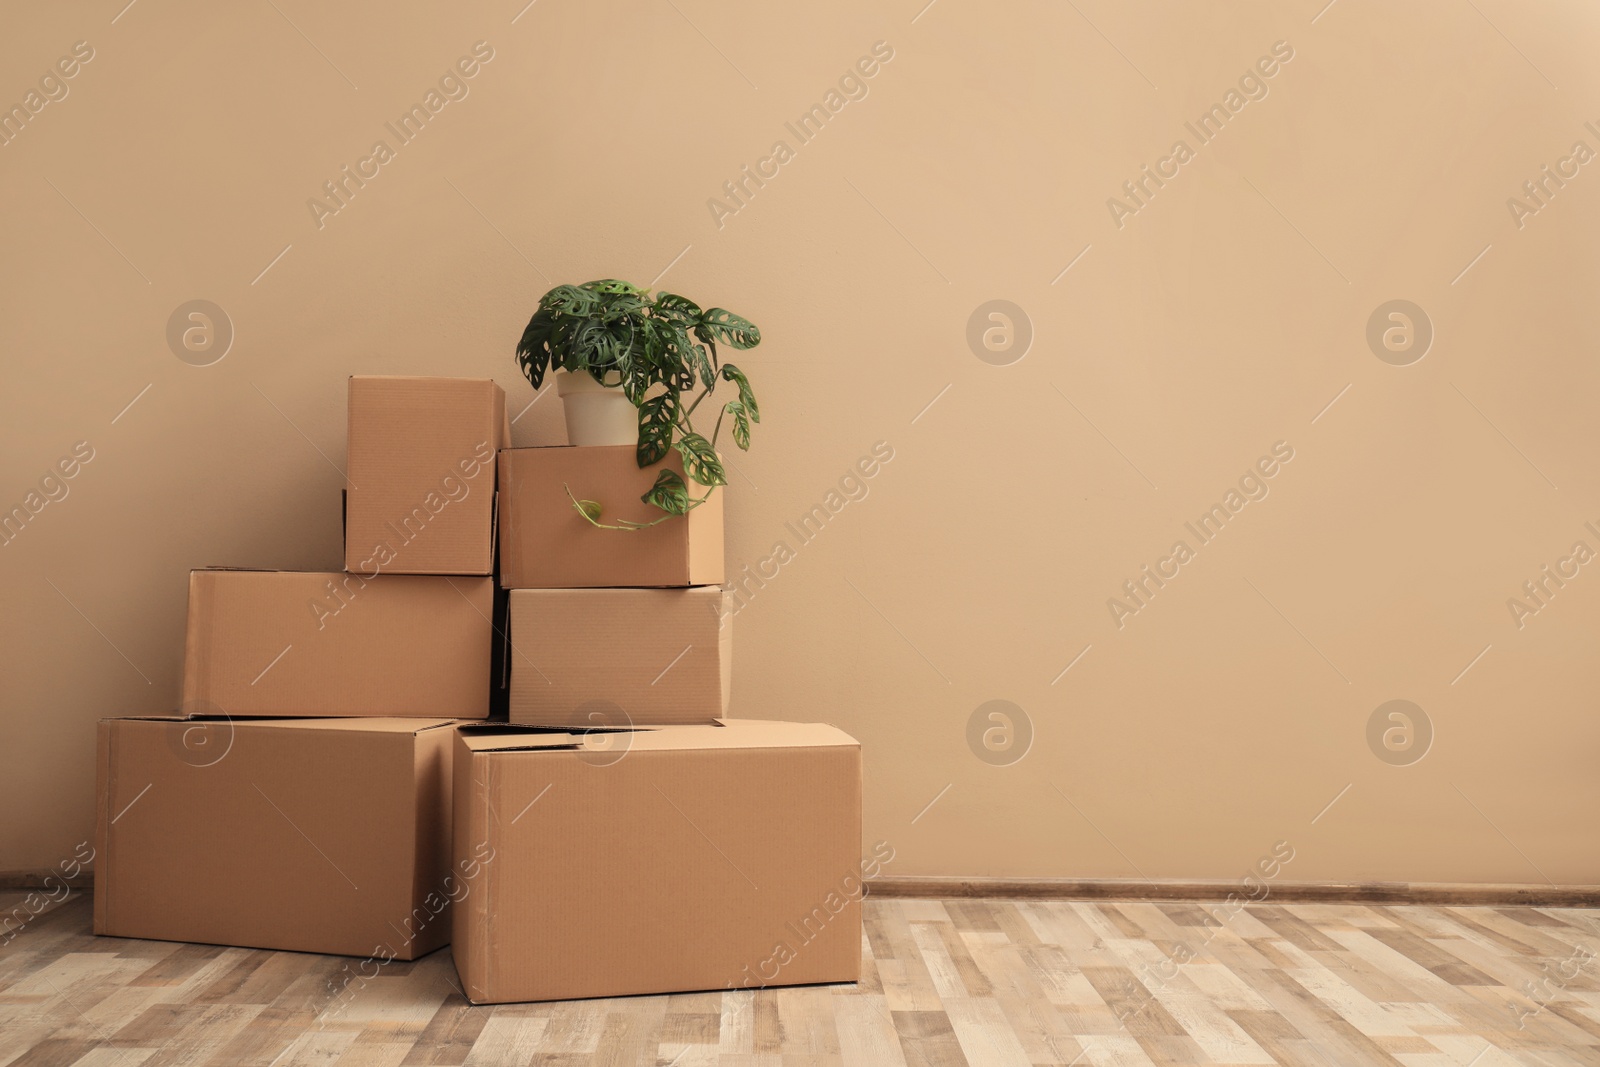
<point x="629" y="524"/>
<point x="702" y="396"/>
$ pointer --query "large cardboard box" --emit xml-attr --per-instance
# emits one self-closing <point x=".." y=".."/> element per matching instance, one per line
<point x="420" y="460"/>
<point x="588" y="657"/>
<point x="314" y="835"/>
<point x="656" y="861"/>
<point x="546" y="544"/>
<point x="286" y="643"/>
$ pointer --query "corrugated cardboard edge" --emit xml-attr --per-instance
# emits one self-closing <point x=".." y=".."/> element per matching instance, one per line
<point x="349" y="413"/>
<point x="498" y="436"/>
<point x="507" y="643"/>
<point x="510" y="555"/>
<point x="197" y="640"/>
<point x="494" y="528"/>
<point x="505" y="416"/>
<point x="433" y="755"/>
<point x="860" y="902"/>
<point x="724" y="610"/>
<point x="344" y="494"/>
<point x="470" y="821"/>
<point x="105" y="786"/>
<point x="703" y="542"/>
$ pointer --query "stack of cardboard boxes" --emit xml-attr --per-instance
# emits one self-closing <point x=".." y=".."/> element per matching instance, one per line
<point x="384" y="760"/>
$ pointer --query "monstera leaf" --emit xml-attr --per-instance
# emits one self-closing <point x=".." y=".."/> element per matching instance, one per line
<point x="533" y="351"/>
<point x="569" y="300"/>
<point x="611" y="286"/>
<point x="678" y="308"/>
<point x="657" y="417"/>
<point x="669" y="494"/>
<point x="700" y="459"/>
<point x="741" y="424"/>
<point x="724" y="327"/>
<point x="746" y="396"/>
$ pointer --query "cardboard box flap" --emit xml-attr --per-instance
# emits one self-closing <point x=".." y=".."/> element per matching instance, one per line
<point x="395" y="725"/>
<point x="722" y="734"/>
<point x="421" y="378"/>
<point x="513" y="737"/>
<point x="250" y="570"/>
<point x="744" y="734"/>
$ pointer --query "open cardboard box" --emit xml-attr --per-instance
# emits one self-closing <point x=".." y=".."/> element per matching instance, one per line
<point x="657" y="860"/>
<point x="313" y="835"/>
<point x="286" y="643"/>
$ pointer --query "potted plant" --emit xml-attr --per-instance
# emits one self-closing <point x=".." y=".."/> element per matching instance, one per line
<point x="631" y="368"/>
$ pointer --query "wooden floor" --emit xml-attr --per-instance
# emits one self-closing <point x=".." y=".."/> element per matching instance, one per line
<point x="944" y="982"/>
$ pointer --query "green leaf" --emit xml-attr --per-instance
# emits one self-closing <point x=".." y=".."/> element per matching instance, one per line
<point x="679" y="309"/>
<point x="700" y="460"/>
<point x="621" y="306"/>
<point x="568" y="300"/>
<point x="741" y="424"/>
<point x="724" y="327"/>
<point x="657" y="417"/>
<point x="590" y="508"/>
<point x="533" y="350"/>
<point x="701" y="362"/>
<point x="587" y="345"/>
<point x="612" y="286"/>
<point x="637" y="382"/>
<point x="747" y="396"/>
<point x="669" y="494"/>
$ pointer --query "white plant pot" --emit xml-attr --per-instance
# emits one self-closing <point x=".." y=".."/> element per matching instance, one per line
<point x="596" y="414"/>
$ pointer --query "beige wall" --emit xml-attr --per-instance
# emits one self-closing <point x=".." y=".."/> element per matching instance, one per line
<point x="1220" y="318"/>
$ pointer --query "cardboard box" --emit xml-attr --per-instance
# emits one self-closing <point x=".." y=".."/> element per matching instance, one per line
<point x="420" y="460"/>
<point x="287" y="643"/>
<point x="586" y="657"/>
<point x="312" y="835"/>
<point x="668" y="860"/>
<point x="546" y="544"/>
